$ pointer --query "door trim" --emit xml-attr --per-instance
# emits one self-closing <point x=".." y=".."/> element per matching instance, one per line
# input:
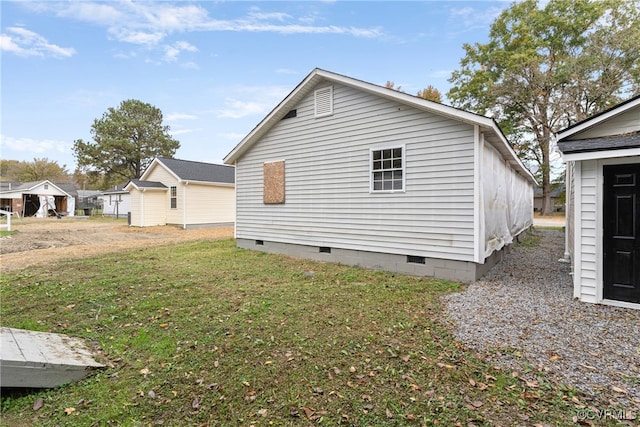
<point x="600" y="231"/>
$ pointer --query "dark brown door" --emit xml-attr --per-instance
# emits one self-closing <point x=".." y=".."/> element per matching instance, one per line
<point x="622" y="232"/>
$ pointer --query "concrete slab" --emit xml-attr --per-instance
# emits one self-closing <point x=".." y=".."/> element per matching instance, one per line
<point x="41" y="359"/>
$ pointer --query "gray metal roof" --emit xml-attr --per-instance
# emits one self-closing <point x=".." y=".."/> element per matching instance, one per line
<point x="188" y="170"/>
<point x="614" y="142"/>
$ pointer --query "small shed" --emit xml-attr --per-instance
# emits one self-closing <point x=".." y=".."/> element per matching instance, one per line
<point x="603" y="205"/>
<point x="352" y="172"/>
<point x="39" y="199"/>
<point x="184" y="193"/>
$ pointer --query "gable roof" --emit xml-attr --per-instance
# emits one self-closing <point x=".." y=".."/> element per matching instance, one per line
<point x="140" y="184"/>
<point x="116" y="189"/>
<point x="187" y="170"/>
<point x="598" y="118"/>
<point x="317" y="76"/>
<point x="25" y="187"/>
<point x="613" y="142"/>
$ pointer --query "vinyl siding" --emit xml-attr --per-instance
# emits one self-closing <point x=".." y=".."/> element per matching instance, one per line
<point x="109" y="204"/>
<point x="208" y="204"/>
<point x="148" y="208"/>
<point x="327" y="180"/>
<point x="160" y="174"/>
<point x="626" y="122"/>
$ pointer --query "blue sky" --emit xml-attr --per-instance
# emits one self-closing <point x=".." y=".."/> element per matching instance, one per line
<point x="215" y="69"/>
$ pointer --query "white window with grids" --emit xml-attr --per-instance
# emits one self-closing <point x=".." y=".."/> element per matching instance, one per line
<point x="387" y="169"/>
<point x="174" y="197"/>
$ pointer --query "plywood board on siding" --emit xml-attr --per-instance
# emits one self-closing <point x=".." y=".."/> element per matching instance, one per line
<point x="273" y="181"/>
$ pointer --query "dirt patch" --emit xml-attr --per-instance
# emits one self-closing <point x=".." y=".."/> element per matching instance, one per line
<point x="46" y="240"/>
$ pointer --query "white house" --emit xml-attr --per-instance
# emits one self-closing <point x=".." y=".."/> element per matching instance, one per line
<point x="39" y="199"/>
<point x="347" y="171"/>
<point x="116" y="202"/>
<point x="603" y="205"/>
<point x="183" y="193"/>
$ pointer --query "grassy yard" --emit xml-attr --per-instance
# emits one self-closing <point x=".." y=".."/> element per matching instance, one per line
<point x="207" y="334"/>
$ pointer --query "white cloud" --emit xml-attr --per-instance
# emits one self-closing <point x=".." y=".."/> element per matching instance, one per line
<point x="23" y="42"/>
<point x="172" y="117"/>
<point x="182" y="131"/>
<point x="149" y="23"/>
<point x="471" y="18"/>
<point x="171" y="52"/>
<point x="237" y="109"/>
<point x="243" y="101"/>
<point x="232" y="136"/>
<point x="34" y="146"/>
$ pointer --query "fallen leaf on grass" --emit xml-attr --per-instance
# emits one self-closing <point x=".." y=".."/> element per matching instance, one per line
<point x="618" y="390"/>
<point x="69" y="411"/>
<point x="445" y="365"/>
<point x="389" y="413"/>
<point x="196" y="403"/>
<point x="262" y="412"/>
<point x="39" y="403"/>
<point x="309" y="412"/>
<point x="145" y="371"/>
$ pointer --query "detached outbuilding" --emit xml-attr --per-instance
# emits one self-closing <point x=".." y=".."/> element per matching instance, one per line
<point x="603" y="205"/>
<point x="39" y="199"/>
<point x="347" y="171"/>
<point x="184" y="193"/>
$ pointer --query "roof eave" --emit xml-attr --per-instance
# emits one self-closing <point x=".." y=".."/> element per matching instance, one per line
<point x="598" y="118"/>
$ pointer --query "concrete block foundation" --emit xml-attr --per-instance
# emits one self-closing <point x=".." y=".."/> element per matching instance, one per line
<point x="458" y="271"/>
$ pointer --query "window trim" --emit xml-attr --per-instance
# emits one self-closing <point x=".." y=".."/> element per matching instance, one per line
<point x="173" y="196"/>
<point x="403" y="168"/>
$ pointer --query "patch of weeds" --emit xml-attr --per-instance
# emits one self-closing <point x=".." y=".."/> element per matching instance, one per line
<point x="529" y="239"/>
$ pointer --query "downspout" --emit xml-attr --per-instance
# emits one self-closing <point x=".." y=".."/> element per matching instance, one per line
<point x="184" y="206"/>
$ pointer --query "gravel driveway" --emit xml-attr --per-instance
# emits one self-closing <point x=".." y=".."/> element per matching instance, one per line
<point x="523" y="314"/>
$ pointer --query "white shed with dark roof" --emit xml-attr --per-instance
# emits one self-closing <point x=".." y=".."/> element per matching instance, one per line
<point x="603" y="205"/>
<point x="184" y="193"/>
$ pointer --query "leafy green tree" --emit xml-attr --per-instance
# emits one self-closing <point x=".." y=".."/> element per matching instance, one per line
<point x="125" y="141"/>
<point x="37" y="170"/>
<point x="546" y="68"/>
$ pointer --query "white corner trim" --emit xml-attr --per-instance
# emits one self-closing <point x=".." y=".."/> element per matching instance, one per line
<point x="478" y="208"/>
<point x="577" y="231"/>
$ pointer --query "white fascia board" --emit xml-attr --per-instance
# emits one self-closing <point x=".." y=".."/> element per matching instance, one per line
<point x="148" y="169"/>
<point x="605" y="154"/>
<point x="586" y="124"/>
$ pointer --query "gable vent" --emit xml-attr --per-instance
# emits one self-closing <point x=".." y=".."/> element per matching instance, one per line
<point x="324" y="101"/>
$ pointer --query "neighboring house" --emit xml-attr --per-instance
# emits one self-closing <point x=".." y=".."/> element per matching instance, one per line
<point x="115" y="202"/>
<point x="183" y="193"/>
<point x="557" y="199"/>
<point x="603" y="205"/>
<point x="39" y="199"/>
<point x="351" y="172"/>
<point x="87" y="201"/>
